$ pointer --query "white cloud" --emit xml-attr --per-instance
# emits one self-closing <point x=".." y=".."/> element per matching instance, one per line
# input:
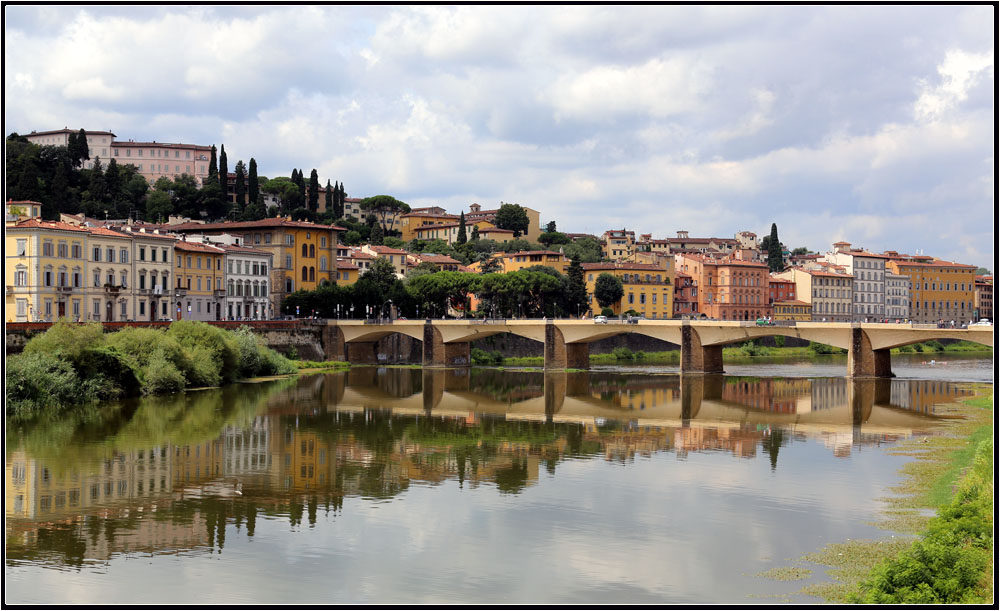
<point x="959" y="72"/>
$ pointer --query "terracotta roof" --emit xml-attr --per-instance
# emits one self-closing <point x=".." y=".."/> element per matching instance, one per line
<point x="624" y="266"/>
<point x="435" y="258"/>
<point x="246" y="249"/>
<point x="388" y="250"/>
<point x="66" y="131"/>
<point x="197" y="247"/>
<point x="268" y="222"/>
<point x="342" y="264"/>
<point x="496" y="230"/>
<point x="40" y="224"/>
<point x="128" y="143"/>
<point x="532" y="252"/>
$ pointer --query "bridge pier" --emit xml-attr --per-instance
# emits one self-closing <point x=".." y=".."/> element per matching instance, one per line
<point x="362" y="353"/>
<point x="863" y="362"/>
<point x="560" y="355"/>
<point x="332" y="340"/>
<point x="439" y="354"/>
<point x="696" y="358"/>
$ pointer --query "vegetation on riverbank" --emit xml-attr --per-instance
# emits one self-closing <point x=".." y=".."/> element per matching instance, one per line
<point x="936" y="346"/>
<point x="951" y="561"/>
<point x="311" y="365"/>
<point x="73" y="364"/>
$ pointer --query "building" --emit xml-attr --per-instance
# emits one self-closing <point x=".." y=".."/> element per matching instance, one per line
<point x="500" y="236"/>
<point x="448" y="232"/>
<point x="303" y="253"/>
<point x="618" y="244"/>
<point x="247" y="280"/>
<point x="791" y="310"/>
<point x="152" y="262"/>
<point x="440" y="262"/>
<point x="730" y="289"/>
<point x="780" y="289"/>
<point x="826" y="288"/>
<point x="347" y="272"/>
<point x="685" y="296"/>
<point x="649" y="289"/>
<point x="155" y="160"/>
<point x="701" y="245"/>
<point x="984" y="297"/>
<point x="45" y="268"/>
<point x="869" y="287"/>
<point x="939" y="290"/>
<point x="419" y="217"/>
<point x="897" y="296"/>
<point x="99" y="143"/>
<point x="516" y="261"/>
<point x="476" y="214"/>
<point x="395" y="256"/>
<point x="22" y="210"/>
<point x="199" y="294"/>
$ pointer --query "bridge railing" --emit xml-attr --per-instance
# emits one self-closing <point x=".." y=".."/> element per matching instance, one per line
<point x="109" y="326"/>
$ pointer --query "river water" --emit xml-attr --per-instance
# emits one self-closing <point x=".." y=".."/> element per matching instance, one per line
<point x="481" y="486"/>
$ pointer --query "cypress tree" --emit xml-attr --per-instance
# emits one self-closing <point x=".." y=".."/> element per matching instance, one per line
<point x="253" y="185"/>
<point x="240" y="186"/>
<point x="313" y="190"/>
<point x="475" y="232"/>
<point x="462" y="238"/>
<point x="577" y="297"/>
<point x="338" y="201"/>
<point x="301" y="182"/>
<point x="774" y="260"/>
<point x="213" y="172"/>
<point x="224" y="173"/>
<point x="329" y="198"/>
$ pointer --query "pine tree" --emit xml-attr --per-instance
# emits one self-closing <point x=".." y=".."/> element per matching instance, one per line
<point x="213" y="172"/>
<point x="253" y="185"/>
<point x="377" y="235"/>
<point x="313" y="190"/>
<point x="329" y="197"/>
<point x="462" y="238"/>
<point x="338" y="201"/>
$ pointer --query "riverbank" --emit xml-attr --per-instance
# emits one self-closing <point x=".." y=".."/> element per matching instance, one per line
<point x="950" y="561"/>
<point x="72" y="365"/>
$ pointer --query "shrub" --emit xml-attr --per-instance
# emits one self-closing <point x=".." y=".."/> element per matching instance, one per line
<point x="161" y="375"/>
<point x="249" y="345"/>
<point x="221" y="348"/>
<point x="202" y="367"/>
<point x="37" y="381"/>
<point x="752" y="349"/>
<point x="108" y="374"/>
<point x="623" y="354"/>
<point x="274" y="364"/>
<point x="483" y="357"/>
<point x="607" y="312"/>
<point x="779" y="341"/>
<point x="817" y="348"/>
<point x="69" y="342"/>
<point x="934" y="346"/>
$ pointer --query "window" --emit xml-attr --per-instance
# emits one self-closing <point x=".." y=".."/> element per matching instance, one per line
<point x="123" y="256"/>
<point x="142" y="253"/>
<point x="111" y="254"/>
<point x="62" y="250"/>
<point x="47" y="249"/>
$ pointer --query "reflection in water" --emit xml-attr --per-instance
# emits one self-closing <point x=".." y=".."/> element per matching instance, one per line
<point x="169" y="474"/>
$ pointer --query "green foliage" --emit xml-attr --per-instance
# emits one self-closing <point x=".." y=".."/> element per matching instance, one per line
<point x="779" y="341"/>
<point x="213" y="354"/>
<point x="69" y="342"/>
<point x="817" y="348"/>
<point x="161" y="375"/>
<point x="512" y="217"/>
<point x="950" y="563"/>
<point x="38" y="381"/>
<point x="482" y="357"/>
<point x="608" y="289"/>
<point x="607" y="312"/>
<point x="623" y="354"/>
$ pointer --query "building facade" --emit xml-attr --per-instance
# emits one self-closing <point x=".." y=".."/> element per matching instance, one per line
<point x="199" y="294"/>
<point x="649" y="289"/>
<point x="869" y="286"/>
<point x="984" y="297"/>
<point x="826" y="290"/>
<point x="897" y="296"/>
<point x="155" y="160"/>
<point x="940" y="291"/>
<point x="729" y="289"/>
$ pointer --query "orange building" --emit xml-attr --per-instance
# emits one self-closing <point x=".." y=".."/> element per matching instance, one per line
<point x="939" y="290"/>
<point x="729" y="289"/>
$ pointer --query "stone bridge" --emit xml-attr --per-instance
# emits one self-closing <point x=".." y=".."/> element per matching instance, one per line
<point x="566" y="342"/>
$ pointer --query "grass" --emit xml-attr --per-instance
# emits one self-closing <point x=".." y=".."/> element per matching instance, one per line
<point x="310" y="365"/>
<point x="951" y="560"/>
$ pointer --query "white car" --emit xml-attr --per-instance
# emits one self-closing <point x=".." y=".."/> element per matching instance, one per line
<point x="600" y="320"/>
<point x="982" y="323"/>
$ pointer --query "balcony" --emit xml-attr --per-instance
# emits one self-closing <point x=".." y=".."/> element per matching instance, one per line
<point x="179" y="292"/>
<point x="219" y="293"/>
<point x="111" y="289"/>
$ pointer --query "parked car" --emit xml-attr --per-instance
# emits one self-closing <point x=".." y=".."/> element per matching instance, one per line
<point x="983" y="322"/>
<point x="600" y="320"/>
<point x="763" y="322"/>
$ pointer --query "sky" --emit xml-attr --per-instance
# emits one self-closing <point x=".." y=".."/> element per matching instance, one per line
<point x="870" y="124"/>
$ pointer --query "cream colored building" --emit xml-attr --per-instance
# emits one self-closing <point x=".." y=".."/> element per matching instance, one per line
<point x="45" y="268"/>
<point x="98" y="143"/>
<point x="827" y="289"/>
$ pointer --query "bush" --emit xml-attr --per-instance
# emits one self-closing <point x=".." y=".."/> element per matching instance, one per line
<point x="753" y="349"/>
<point x="37" y="381"/>
<point x="623" y="354"/>
<point x="69" y="342"/>
<point x="108" y="374"/>
<point x="817" y="348"/>
<point x="779" y="341"/>
<point x="202" y="367"/>
<point x="273" y="364"/>
<point x="221" y="349"/>
<point x="250" y="356"/>
<point x="161" y="375"/>
<point x="482" y="357"/>
<point x="934" y="346"/>
<point x="607" y="312"/>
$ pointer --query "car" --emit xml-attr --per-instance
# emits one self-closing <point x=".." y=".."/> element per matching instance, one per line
<point x="600" y="320"/>
<point x="763" y="322"/>
<point x="982" y="323"/>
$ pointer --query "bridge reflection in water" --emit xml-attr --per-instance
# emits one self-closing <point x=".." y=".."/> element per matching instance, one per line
<point x="303" y="445"/>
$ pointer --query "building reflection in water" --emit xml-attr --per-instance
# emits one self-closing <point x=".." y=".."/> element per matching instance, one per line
<point x="306" y="444"/>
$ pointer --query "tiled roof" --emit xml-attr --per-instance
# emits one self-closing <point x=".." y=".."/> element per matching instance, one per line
<point x="40" y="224"/>
<point x="128" y="143"/>
<point x="197" y="247"/>
<point x="387" y="250"/>
<point x="522" y="253"/>
<point x="263" y="223"/>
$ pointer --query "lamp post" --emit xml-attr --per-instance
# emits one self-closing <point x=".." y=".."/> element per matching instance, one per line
<point x="382" y="309"/>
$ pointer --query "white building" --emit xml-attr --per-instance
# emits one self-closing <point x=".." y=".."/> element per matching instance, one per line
<point x="897" y="296"/>
<point x="869" y="288"/>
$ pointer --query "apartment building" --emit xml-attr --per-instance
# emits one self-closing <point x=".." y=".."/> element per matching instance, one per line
<point x="897" y="296"/>
<point x="729" y="288"/>
<point x="984" y="297"/>
<point x="869" y="286"/>
<point x="618" y="244"/>
<point x="476" y="214"/>
<point x="304" y="254"/>
<point x="419" y="217"/>
<point x="685" y="296"/>
<point x="247" y="282"/>
<point x="516" y="261"/>
<point x="827" y="289"/>
<point x="199" y="294"/>
<point x="395" y="256"/>
<point x="649" y="289"/>
<point x="939" y="290"/>
<point x="152" y="263"/>
<point x="155" y="160"/>
<point x="45" y="270"/>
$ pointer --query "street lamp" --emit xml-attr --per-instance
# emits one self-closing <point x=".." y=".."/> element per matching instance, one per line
<point x="382" y="309"/>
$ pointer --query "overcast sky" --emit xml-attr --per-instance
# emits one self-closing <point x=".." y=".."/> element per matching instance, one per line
<point x="871" y="124"/>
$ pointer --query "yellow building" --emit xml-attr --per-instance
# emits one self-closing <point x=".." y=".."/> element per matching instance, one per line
<point x="791" y="310"/>
<point x="347" y="272"/>
<point x="648" y="288"/>
<point x="516" y="261"/>
<point x="304" y="253"/>
<point x="200" y="292"/>
<point x="45" y="269"/>
<point x="939" y="290"/>
<point x="449" y="231"/>
<point x="419" y="217"/>
<point x="618" y="244"/>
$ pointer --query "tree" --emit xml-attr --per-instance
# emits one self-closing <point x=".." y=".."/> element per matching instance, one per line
<point x="608" y="289"/>
<point x="253" y="184"/>
<point x="550" y="227"/>
<point x="475" y="232"/>
<point x="77" y="148"/>
<point x="158" y="207"/>
<point x="775" y="261"/>
<point x="576" y="297"/>
<point x="329" y="198"/>
<point x="213" y="172"/>
<point x="553" y="237"/>
<point x="462" y="238"/>
<point x="385" y="208"/>
<point x="224" y="173"/>
<point x="801" y="250"/>
<point x="338" y="201"/>
<point x="376" y="235"/>
<point x="512" y="217"/>
<point x="240" y="189"/>
<point x="314" y="190"/>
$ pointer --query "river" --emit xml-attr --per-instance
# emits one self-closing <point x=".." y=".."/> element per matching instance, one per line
<point x="481" y="486"/>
